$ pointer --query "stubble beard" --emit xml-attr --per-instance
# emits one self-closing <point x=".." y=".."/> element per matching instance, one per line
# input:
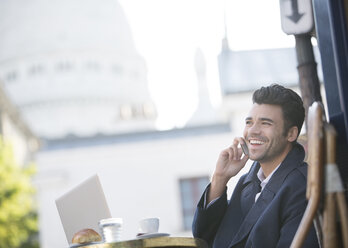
<point x="271" y="152"/>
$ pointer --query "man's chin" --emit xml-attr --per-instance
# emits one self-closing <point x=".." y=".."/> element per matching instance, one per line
<point x="256" y="157"/>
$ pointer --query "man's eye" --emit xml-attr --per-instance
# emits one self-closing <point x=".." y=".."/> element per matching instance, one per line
<point x="266" y="123"/>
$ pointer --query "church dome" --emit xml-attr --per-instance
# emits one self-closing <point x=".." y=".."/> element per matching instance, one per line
<point x="72" y="68"/>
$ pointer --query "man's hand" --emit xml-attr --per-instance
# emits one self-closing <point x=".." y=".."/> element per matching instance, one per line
<point x="229" y="163"/>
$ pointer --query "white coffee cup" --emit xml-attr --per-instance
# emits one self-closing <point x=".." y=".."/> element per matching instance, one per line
<point x="149" y="225"/>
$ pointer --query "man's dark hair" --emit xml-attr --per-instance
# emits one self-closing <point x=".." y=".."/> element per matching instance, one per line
<point x="290" y="102"/>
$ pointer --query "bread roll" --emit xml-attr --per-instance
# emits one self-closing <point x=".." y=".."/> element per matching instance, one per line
<point x="86" y="236"/>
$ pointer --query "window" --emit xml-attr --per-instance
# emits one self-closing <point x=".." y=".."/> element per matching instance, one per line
<point x="93" y="66"/>
<point x="11" y="76"/>
<point x="36" y="69"/>
<point x="126" y="112"/>
<point x="64" y="66"/>
<point x="191" y="190"/>
<point x="149" y="110"/>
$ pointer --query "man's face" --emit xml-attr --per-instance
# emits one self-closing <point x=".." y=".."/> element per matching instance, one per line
<point x="264" y="133"/>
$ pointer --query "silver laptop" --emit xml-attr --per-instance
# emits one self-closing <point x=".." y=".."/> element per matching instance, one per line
<point x="83" y="207"/>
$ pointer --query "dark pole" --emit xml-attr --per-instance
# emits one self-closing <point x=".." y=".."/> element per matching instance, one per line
<point x="307" y="70"/>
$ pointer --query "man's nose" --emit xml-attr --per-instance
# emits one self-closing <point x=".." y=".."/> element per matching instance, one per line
<point x="254" y="129"/>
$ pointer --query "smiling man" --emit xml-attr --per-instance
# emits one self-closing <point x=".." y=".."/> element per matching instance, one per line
<point x="268" y="202"/>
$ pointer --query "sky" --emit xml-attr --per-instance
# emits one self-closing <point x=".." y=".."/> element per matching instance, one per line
<point x="168" y="33"/>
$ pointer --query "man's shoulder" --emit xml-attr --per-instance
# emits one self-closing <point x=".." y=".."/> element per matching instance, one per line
<point x="298" y="174"/>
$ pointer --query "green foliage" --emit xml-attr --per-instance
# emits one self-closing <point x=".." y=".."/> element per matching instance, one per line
<point x="18" y="218"/>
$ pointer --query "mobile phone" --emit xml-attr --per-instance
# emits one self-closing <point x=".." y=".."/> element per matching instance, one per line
<point x="245" y="148"/>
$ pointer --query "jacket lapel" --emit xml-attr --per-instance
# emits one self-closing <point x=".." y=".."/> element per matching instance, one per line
<point x="293" y="159"/>
<point x="248" y="196"/>
<point x="253" y="215"/>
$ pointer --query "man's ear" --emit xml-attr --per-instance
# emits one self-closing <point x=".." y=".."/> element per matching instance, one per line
<point x="292" y="134"/>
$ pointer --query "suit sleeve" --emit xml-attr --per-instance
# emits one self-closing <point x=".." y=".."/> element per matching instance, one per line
<point x="207" y="220"/>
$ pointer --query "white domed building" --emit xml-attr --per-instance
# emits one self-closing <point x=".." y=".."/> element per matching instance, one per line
<point x="72" y="68"/>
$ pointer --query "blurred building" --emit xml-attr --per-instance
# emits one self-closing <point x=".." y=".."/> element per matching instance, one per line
<point x="72" y="68"/>
<point x="241" y="72"/>
<point x="14" y="131"/>
<point x="73" y="72"/>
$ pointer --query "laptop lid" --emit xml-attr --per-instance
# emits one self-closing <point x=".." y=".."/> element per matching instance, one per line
<point x="83" y="207"/>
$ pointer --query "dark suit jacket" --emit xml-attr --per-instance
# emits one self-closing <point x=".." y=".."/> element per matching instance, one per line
<point x="269" y="222"/>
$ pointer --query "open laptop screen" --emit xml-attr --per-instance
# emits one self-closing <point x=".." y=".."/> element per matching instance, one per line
<point x="83" y="207"/>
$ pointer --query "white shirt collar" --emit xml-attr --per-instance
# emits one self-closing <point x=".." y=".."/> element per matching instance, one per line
<point x="264" y="180"/>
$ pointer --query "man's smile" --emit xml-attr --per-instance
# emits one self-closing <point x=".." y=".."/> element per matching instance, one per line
<point x="256" y="142"/>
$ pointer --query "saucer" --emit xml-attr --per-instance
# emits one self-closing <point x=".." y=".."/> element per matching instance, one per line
<point x="152" y="235"/>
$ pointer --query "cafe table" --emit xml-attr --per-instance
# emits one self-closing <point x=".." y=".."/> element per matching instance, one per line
<point x="158" y="242"/>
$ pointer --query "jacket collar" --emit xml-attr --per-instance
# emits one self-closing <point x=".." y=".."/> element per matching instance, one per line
<point x="292" y="160"/>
